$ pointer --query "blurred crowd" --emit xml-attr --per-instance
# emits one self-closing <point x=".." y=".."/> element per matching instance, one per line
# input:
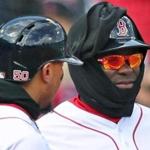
<point x="66" y="12"/>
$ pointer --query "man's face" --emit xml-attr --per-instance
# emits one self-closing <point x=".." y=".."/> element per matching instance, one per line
<point x="125" y="75"/>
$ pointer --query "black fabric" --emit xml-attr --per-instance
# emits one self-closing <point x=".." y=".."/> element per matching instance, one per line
<point x="91" y="32"/>
<point x="87" y="37"/>
<point x="98" y="91"/>
<point x="11" y="93"/>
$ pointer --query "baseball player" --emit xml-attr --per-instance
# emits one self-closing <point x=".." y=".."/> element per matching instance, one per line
<point x="104" y="115"/>
<point x="32" y="52"/>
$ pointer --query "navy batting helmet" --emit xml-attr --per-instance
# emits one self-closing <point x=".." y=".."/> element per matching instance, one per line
<point x="124" y="36"/>
<point x="28" y="42"/>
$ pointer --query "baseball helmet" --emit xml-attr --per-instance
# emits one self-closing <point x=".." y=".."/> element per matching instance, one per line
<point x="124" y="35"/>
<point x="28" y="42"/>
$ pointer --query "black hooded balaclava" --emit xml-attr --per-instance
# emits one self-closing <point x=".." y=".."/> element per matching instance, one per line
<point x="87" y="37"/>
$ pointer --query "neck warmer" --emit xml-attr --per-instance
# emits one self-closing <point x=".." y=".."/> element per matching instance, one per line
<point x="11" y="93"/>
<point x="99" y="92"/>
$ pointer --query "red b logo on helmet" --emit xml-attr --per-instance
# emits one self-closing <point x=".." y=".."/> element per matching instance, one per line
<point x="122" y="28"/>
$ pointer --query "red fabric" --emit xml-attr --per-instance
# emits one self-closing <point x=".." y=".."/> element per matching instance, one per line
<point x="80" y="104"/>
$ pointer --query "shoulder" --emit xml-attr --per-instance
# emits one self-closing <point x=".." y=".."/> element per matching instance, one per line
<point x="15" y="125"/>
<point x="57" y="116"/>
<point x="30" y="142"/>
<point x="142" y="111"/>
<point x="143" y="108"/>
<point x="20" y="136"/>
<point x="62" y="109"/>
<point x="12" y="120"/>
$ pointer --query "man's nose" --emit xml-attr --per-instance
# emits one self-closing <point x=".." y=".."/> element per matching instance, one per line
<point x="125" y="68"/>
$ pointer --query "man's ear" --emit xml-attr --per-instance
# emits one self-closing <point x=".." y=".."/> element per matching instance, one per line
<point x="46" y="72"/>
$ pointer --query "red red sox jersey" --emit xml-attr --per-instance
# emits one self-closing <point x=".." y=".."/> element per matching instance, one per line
<point x="69" y="127"/>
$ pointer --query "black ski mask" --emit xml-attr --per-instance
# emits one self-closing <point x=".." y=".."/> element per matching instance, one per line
<point x="93" y="85"/>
